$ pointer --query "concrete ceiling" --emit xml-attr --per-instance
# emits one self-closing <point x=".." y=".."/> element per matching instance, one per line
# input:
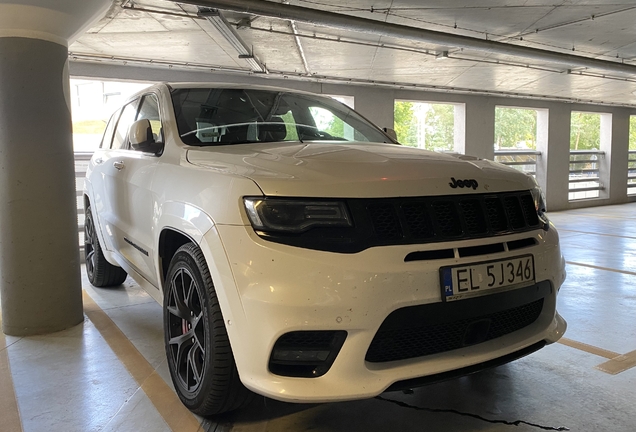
<point x="168" y="34"/>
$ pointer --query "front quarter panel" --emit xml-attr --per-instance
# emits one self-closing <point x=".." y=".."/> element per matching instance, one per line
<point x="218" y="195"/>
<point x="185" y="218"/>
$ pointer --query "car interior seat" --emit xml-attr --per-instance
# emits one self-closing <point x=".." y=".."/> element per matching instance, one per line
<point x="272" y="130"/>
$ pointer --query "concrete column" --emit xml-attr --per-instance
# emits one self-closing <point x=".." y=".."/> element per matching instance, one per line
<point x="543" y="122"/>
<point x="40" y="287"/>
<point x="377" y="105"/>
<point x="459" y="128"/>
<point x="616" y="155"/>
<point x="479" y="128"/>
<point x="553" y="141"/>
<point x="604" y="163"/>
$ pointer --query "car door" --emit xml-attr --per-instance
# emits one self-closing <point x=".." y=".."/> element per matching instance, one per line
<point x="104" y="201"/>
<point x="128" y="175"/>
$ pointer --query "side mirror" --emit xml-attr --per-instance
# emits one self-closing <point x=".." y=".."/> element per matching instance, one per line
<point x="141" y="137"/>
<point x="390" y="133"/>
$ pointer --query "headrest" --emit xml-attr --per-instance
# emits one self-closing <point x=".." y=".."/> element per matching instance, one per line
<point x="272" y="130"/>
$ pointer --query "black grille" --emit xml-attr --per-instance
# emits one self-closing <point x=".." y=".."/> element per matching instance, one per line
<point x="451" y="217"/>
<point x="416" y="220"/>
<point x="447" y="218"/>
<point x="473" y="216"/>
<point x="514" y="212"/>
<point x="385" y="221"/>
<point x="529" y="209"/>
<point x="435" y="328"/>
<point x="495" y="214"/>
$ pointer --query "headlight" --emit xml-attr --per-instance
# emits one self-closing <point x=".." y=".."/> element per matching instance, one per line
<point x="539" y="204"/>
<point x="295" y="216"/>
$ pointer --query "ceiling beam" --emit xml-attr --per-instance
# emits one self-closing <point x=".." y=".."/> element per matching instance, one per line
<point x="381" y="28"/>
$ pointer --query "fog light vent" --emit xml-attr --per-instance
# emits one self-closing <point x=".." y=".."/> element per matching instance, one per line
<point x="307" y="354"/>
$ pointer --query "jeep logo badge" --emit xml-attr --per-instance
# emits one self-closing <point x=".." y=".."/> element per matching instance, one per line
<point x="470" y="183"/>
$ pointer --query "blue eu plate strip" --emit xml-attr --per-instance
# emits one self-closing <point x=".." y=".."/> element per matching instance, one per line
<point x="447" y="280"/>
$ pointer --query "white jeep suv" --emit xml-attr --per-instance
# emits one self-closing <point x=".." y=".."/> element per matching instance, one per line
<point x="301" y="254"/>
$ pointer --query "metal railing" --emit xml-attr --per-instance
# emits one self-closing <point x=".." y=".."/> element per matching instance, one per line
<point x="81" y="164"/>
<point x="631" y="172"/>
<point x="522" y="160"/>
<point x="584" y="180"/>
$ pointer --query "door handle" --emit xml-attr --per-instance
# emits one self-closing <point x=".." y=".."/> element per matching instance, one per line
<point x="119" y="165"/>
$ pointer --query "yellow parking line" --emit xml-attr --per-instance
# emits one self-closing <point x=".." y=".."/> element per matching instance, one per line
<point x="174" y="413"/>
<point x="619" y="364"/>
<point x="602" y="216"/>
<point x="588" y="348"/>
<point x="598" y="234"/>
<point x="8" y="404"/>
<point x="616" y="364"/>
<point x="601" y="268"/>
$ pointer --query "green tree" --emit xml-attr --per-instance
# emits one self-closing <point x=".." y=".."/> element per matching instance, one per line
<point x="438" y="124"/>
<point x="327" y="122"/>
<point x="335" y="128"/>
<point x="631" y="165"/>
<point x="94" y="127"/>
<point x="585" y="131"/>
<point x="405" y="123"/>
<point x="632" y="132"/>
<point x="440" y="127"/>
<point x="514" y="125"/>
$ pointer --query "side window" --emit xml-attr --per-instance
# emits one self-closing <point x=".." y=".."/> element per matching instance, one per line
<point x="107" y="139"/>
<point x="329" y="123"/>
<point x="150" y="110"/>
<point x="126" y="119"/>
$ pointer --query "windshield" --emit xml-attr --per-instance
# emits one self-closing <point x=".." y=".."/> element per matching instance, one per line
<point x="210" y="116"/>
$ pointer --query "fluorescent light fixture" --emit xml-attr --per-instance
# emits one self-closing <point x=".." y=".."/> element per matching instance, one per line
<point x="216" y="18"/>
<point x="442" y="56"/>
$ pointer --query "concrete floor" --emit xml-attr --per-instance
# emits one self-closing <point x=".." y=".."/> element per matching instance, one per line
<point x="110" y="374"/>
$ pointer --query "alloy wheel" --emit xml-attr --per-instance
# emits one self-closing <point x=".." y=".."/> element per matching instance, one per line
<point x="89" y="246"/>
<point x="186" y="330"/>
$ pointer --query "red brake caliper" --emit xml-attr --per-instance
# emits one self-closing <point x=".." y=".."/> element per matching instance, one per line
<point x="184" y="326"/>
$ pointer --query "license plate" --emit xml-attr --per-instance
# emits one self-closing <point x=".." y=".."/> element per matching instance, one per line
<point x="483" y="278"/>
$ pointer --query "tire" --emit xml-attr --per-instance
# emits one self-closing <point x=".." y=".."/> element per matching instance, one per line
<point x="199" y="354"/>
<point x="100" y="272"/>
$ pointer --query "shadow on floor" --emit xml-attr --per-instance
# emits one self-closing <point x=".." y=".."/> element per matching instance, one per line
<point x="465" y="404"/>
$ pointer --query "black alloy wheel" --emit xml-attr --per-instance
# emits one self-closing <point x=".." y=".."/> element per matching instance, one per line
<point x="198" y="349"/>
<point x="186" y="331"/>
<point x="100" y="272"/>
<point x="89" y="247"/>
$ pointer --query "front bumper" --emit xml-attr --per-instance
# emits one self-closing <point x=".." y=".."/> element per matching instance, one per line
<point x="268" y="289"/>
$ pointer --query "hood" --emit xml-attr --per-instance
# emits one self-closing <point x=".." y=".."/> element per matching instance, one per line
<point x="346" y="170"/>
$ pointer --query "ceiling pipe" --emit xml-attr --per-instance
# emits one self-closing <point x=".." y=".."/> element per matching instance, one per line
<point x="299" y="45"/>
<point x="226" y="30"/>
<point x="380" y="28"/>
